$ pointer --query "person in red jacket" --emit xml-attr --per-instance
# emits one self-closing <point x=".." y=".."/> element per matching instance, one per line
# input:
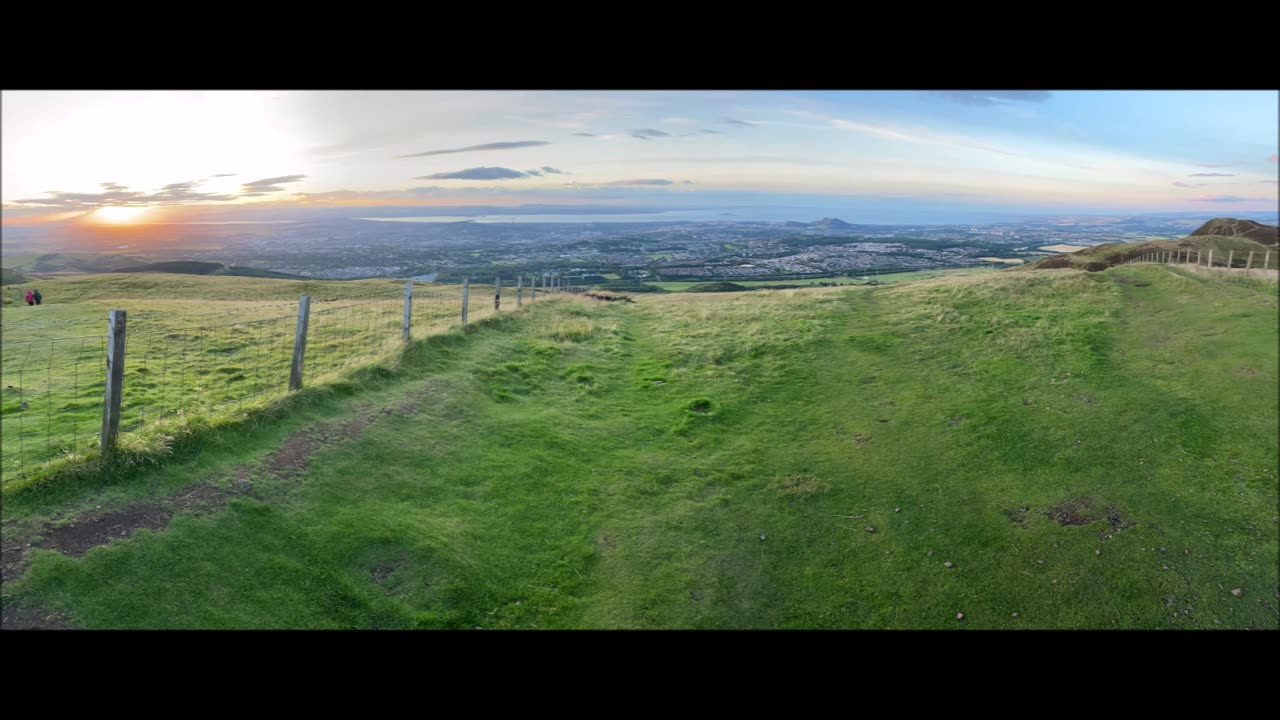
<point x="31" y="299"/>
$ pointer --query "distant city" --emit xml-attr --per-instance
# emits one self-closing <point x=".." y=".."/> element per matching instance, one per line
<point x="450" y="249"/>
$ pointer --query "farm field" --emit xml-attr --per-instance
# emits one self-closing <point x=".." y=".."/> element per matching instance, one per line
<point x="977" y="449"/>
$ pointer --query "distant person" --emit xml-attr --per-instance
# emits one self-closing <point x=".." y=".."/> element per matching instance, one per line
<point x="38" y="297"/>
<point x="31" y="299"/>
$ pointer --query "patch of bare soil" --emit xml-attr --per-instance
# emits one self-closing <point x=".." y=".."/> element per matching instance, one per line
<point x="1017" y="515"/>
<point x="1075" y="511"/>
<point x="861" y="440"/>
<point x="957" y="420"/>
<point x="24" y="618"/>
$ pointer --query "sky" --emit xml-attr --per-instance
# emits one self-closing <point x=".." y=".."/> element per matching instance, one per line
<point x="175" y="156"/>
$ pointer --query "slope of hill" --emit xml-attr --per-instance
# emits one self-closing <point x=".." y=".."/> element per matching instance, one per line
<point x="193" y="267"/>
<point x="1204" y="239"/>
<point x="12" y="277"/>
<point x="1013" y="450"/>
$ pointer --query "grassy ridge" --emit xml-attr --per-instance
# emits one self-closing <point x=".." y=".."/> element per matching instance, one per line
<point x="714" y="461"/>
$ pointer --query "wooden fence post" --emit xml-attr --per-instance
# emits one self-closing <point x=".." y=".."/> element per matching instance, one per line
<point x="1210" y="258"/>
<point x="497" y="293"/>
<point x="466" y="290"/>
<point x="1197" y="256"/>
<point x="1266" y="260"/>
<point x="519" y="290"/>
<point x="533" y="288"/>
<point x="408" y="305"/>
<point x="115" y="379"/>
<point x="300" y="342"/>
<point x="1249" y="263"/>
<point x="1230" y="255"/>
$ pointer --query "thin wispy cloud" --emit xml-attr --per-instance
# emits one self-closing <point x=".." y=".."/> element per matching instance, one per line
<point x="179" y="193"/>
<point x="224" y="175"/>
<point x="1226" y="199"/>
<point x="1273" y="182"/>
<point x="477" y="173"/>
<point x="641" y="181"/>
<point x="257" y="185"/>
<point x="485" y="146"/>
<point x="1210" y="165"/>
<point x="701" y="132"/>
<point x="741" y="123"/>
<point x="1181" y="184"/>
<point x="1212" y="175"/>
<point x="992" y="97"/>
<point x="584" y="134"/>
<point x="648" y="134"/>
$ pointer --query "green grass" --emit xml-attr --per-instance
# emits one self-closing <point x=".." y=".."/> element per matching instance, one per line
<point x="677" y="286"/>
<point x="713" y="461"/>
<point x="185" y="362"/>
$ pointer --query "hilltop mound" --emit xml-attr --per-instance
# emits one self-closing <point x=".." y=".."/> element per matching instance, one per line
<point x="717" y="287"/>
<point x="1231" y="227"/>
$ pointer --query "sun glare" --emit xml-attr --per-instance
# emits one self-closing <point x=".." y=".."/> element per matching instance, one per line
<point x="116" y="215"/>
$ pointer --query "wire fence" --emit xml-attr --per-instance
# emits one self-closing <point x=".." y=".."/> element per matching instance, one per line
<point x="1233" y="259"/>
<point x="52" y="398"/>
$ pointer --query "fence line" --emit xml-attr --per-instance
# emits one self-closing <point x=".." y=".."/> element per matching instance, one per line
<point x="1185" y="256"/>
<point x="65" y="396"/>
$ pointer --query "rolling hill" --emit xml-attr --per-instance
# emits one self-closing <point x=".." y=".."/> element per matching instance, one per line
<point x="1006" y="450"/>
<point x="1244" y="236"/>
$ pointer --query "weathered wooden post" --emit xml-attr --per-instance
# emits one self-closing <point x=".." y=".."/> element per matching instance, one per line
<point x="466" y="290"/>
<point x="1231" y="254"/>
<point x="1266" y="260"/>
<point x="300" y="342"/>
<point x="1197" y="256"/>
<point x="1210" y="263"/>
<point x="497" y="293"/>
<point x="1249" y="263"/>
<point x="115" y="379"/>
<point x="533" y="288"/>
<point x="519" y="290"/>
<point x="408" y="305"/>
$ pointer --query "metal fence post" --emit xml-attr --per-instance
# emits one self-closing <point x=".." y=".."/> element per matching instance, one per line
<point x="408" y="306"/>
<point x="497" y="293"/>
<point x="115" y="379"/>
<point x="300" y="342"/>
<point x="533" y="288"/>
<point x="466" y="290"/>
<point x="519" y="290"/>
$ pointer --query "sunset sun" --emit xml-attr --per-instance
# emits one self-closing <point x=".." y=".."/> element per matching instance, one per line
<point x="117" y="215"/>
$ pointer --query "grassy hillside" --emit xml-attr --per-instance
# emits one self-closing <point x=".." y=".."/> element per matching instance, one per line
<point x="1101" y="257"/>
<point x="1030" y="450"/>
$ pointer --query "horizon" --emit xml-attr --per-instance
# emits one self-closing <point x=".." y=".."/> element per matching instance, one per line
<point x="866" y="157"/>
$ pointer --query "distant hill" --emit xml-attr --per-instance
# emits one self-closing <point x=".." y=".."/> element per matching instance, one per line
<point x="1243" y="238"/>
<point x="1231" y="227"/>
<point x="195" y="267"/>
<point x="81" y="262"/>
<point x="823" y="224"/>
<point x="717" y="287"/>
<point x="12" y="277"/>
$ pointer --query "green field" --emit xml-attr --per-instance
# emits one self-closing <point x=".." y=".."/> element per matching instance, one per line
<point x="199" y="348"/>
<point x="1029" y="449"/>
<point x="676" y="286"/>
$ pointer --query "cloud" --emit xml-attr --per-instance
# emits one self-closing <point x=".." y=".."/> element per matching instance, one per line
<point x="1228" y="199"/>
<point x="641" y="181"/>
<point x="178" y="193"/>
<point x="688" y="182"/>
<point x="1210" y="165"/>
<point x="987" y="98"/>
<point x="486" y="146"/>
<point x="1212" y="175"/>
<point x="1269" y="181"/>
<point x="648" y="134"/>
<point x="255" y="185"/>
<point x="225" y="175"/>
<point x="477" y="173"/>
<point x="701" y="132"/>
<point x="744" y="123"/>
<point x="552" y="171"/>
<point x="1181" y="184"/>
<point x="585" y="134"/>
